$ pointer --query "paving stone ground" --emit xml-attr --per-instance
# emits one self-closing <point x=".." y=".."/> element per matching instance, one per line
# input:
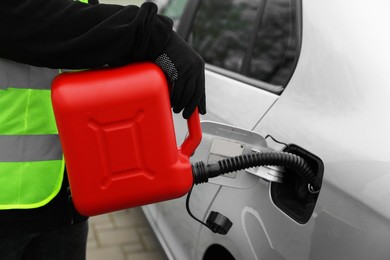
<point x="122" y="235"/>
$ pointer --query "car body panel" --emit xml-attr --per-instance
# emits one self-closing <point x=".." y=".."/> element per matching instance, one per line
<point x="336" y="106"/>
<point x="226" y="89"/>
<point x="340" y="114"/>
<point x="224" y="100"/>
<point x="177" y="226"/>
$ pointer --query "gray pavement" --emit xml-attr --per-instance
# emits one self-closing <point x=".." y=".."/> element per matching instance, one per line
<point x="122" y="235"/>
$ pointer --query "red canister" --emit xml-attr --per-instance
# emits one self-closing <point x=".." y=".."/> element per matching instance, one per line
<point x="118" y="138"/>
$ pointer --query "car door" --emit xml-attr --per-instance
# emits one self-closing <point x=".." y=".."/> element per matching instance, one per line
<point x="335" y="107"/>
<point x="251" y="48"/>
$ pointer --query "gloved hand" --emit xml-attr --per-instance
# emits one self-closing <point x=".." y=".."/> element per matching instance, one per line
<point x="184" y="69"/>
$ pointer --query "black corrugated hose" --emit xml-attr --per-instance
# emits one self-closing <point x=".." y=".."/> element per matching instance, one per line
<point x="201" y="172"/>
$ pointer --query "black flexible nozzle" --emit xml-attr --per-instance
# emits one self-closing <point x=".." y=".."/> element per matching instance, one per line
<point x="201" y="172"/>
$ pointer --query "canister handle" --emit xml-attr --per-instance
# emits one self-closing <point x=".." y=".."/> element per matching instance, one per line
<point x="194" y="135"/>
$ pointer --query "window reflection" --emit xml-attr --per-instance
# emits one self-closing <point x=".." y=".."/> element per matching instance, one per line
<point x="239" y="36"/>
<point x="273" y="56"/>
<point x="222" y="31"/>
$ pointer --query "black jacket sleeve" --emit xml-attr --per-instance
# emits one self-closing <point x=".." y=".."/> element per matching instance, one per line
<point x="70" y="34"/>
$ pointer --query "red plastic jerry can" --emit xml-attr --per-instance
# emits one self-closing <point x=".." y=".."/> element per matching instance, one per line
<point x="118" y="138"/>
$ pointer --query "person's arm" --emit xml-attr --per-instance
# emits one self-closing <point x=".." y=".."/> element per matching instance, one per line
<point x="70" y="34"/>
<point x="73" y="35"/>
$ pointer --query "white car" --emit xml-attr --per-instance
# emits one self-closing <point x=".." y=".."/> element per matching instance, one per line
<point x="308" y="76"/>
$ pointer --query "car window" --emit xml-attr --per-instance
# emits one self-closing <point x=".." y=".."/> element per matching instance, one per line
<point x="257" y="39"/>
<point x="221" y="31"/>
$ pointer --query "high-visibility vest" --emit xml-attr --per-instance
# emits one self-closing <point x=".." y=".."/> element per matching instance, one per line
<point x="31" y="160"/>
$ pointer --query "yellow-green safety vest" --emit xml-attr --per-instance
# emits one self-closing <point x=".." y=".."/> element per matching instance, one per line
<point x="31" y="160"/>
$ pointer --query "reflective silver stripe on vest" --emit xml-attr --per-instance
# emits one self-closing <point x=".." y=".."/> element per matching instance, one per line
<point x="29" y="148"/>
<point x="18" y="75"/>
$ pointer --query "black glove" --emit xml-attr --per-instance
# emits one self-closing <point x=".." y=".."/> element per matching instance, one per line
<point x="184" y="69"/>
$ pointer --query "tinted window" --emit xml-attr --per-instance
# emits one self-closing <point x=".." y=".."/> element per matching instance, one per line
<point x="255" y="38"/>
<point x="222" y="30"/>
